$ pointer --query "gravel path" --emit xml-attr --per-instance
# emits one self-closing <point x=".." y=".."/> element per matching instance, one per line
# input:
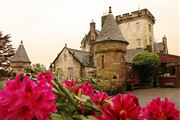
<point x="146" y="95"/>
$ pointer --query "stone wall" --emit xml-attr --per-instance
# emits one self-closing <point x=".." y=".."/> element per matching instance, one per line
<point x="131" y="33"/>
<point x="65" y="61"/>
<point x="18" y="66"/>
<point x="112" y="67"/>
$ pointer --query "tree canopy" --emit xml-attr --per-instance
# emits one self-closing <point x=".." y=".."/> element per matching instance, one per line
<point x="146" y="63"/>
<point x="6" y="52"/>
<point x="149" y="59"/>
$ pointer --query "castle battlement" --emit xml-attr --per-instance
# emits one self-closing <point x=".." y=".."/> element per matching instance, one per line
<point x="144" y="13"/>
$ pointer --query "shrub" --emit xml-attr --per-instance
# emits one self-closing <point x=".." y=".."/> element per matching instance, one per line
<point x="24" y="98"/>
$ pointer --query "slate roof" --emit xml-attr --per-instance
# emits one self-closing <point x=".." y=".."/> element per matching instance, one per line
<point x="21" y="55"/>
<point x="82" y="56"/>
<point x="131" y="53"/>
<point x="110" y="30"/>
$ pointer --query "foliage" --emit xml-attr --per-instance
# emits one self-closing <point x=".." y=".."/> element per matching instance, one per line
<point x="6" y="53"/>
<point x="148" y="59"/>
<point x="74" y="102"/>
<point x="146" y="63"/>
<point x="1" y="85"/>
<point x="178" y="63"/>
<point x="33" y="70"/>
<point x="59" y="75"/>
<point x="99" y="84"/>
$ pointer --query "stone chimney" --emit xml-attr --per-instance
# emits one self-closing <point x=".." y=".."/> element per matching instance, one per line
<point x="92" y="26"/>
<point x="103" y="18"/>
<point x="164" y="41"/>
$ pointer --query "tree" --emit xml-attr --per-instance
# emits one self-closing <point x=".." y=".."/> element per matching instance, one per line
<point x="6" y="53"/>
<point x="146" y="63"/>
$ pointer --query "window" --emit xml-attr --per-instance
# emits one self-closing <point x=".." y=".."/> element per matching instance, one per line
<point x="70" y="73"/>
<point x="137" y="26"/>
<point x="149" y="28"/>
<point x="167" y="70"/>
<point x="138" y="43"/>
<point x="102" y="61"/>
<point x="115" y="77"/>
<point x="150" y="39"/>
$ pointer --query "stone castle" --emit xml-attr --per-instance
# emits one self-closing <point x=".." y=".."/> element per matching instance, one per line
<point x="106" y="52"/>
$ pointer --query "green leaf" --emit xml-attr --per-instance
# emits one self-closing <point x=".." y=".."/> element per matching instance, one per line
<point x="82" y="98"/>
<point x="60" y="117"/>
<point x="87" y="118"/>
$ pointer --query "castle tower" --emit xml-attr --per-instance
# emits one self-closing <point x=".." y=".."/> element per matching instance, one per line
<point x="137" y="28"/>
<point x="109" y="50"/>
<point x="20" y="59"/>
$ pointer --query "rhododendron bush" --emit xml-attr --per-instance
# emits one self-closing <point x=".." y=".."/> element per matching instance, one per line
<point x="46" y="98"/>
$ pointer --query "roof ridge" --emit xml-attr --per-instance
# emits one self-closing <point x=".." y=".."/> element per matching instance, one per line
<point x="78" y="50"/>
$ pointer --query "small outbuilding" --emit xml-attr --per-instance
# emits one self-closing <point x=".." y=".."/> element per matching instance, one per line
<point x="20" y="59"/>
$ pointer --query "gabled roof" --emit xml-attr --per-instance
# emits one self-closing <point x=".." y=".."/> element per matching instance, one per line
<point x="21" y="55"/>
<point x="131" y="53"/>
<point x="86" y="35"/>
<point x="82" y="56"/>
<point x="110" y="30"/>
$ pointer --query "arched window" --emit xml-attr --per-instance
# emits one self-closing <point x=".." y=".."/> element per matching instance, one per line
<point x="102" y="61"/>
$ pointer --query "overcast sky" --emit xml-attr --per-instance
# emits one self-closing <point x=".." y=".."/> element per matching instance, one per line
<point x="46" y="25"/>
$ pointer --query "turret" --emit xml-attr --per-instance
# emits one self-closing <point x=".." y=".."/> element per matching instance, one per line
<point x="20" y="59"/>
<point x="109" y="50"/>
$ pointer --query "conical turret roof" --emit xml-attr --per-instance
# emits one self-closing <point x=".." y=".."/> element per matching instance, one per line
<point x="21" y="55"/>
<point x="110" y="29"/>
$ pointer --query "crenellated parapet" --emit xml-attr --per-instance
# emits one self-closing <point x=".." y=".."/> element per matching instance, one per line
<point x="127" y="17"/>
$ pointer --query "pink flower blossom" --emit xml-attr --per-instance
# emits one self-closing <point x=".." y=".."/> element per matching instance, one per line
<point x="85" y="89"/>
<point x="69" y="84"/>
<point x="45" y="77"/>
<point x="122" y="107"/>
<point x="160" y="110"/>
<point x="133" y="97"/>
<point x="99" y="97"/>
<point x="26" y="100"/>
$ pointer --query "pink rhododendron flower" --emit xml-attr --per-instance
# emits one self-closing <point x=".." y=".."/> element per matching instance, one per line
<point x="69" y="84"/>
<point x="122" y="107"/>
<point x="26" y="100"/>
<point x="133" y="97"/>
<point x="99" y="97"/>
<point x="85" y="89"/>
<point x="160" y="110"/>
<point x="45" y="77"/>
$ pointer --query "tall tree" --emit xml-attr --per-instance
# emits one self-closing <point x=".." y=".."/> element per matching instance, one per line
<point x="146" y="63"/>
<point x="6" y="53"/>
